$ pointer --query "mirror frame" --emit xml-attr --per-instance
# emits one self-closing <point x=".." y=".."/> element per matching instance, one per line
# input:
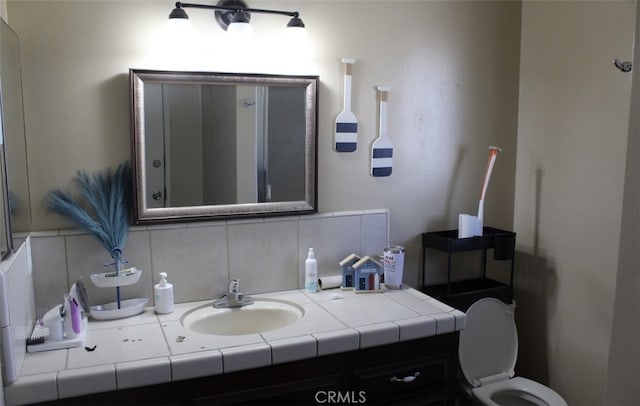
<point x="143" y="214"/>
<point x="14" y="173"/>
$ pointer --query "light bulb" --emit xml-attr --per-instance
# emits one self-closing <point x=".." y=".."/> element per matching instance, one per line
<point x="297" y="38"/>
<point x="240" y="31"/>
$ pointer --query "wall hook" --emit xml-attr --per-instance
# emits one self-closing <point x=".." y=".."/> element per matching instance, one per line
<point x="623" y="66"/>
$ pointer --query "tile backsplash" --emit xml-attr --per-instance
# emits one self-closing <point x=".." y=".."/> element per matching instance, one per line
<point x="17" y="308"/>
<point x="266" y="254"/>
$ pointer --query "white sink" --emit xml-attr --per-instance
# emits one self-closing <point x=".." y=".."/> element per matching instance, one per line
<point x="263" y="315"/>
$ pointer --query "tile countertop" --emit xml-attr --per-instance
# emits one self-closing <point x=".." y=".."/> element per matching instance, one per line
<point x="150" y="349"/>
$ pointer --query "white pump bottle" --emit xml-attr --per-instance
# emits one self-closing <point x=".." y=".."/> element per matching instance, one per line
<point x="163" y="295"/>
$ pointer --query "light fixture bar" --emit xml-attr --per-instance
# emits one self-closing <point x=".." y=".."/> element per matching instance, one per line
<point x="234" y="16"/>
<point x="237" y="9"/>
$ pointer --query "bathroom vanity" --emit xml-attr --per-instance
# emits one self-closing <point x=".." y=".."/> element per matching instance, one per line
<point x="375" y="376"/>
<point x="388" y="347"/>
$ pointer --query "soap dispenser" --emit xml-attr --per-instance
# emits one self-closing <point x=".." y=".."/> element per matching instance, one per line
<point x="163" y="295"/>
<point x="311" y="272"/>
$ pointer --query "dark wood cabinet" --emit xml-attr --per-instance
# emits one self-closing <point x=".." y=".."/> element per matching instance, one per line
<point x="420" y="372"/>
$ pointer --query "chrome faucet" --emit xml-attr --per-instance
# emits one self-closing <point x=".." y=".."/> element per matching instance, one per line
<point x="234" y="297"/>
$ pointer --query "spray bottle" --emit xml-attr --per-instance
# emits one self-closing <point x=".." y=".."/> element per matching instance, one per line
<point x="311" y="272"/>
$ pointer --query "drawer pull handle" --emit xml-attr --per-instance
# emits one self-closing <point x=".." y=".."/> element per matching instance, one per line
<point x="406" y="379"/>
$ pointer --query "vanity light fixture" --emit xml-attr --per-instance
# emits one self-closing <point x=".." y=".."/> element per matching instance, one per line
<point x="234" y="16"/>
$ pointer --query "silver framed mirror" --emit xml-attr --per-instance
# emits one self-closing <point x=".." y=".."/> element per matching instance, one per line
<point x="15" y="180"/>
<point x="208" y="145"/>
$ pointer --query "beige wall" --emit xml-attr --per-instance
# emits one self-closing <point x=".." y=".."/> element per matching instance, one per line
<point x="452" y="68"/>
<point x="624" y="352"/>
<point x="572" y="139"/>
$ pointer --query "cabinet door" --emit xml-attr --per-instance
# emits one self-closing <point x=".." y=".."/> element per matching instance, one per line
<point x="310" y="391"/>
<point x="422" y="378"/>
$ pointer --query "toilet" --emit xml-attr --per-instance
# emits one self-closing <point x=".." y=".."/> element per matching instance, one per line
<point x="488" y="351"/>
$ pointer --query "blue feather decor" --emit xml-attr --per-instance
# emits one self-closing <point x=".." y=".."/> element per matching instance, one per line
<point x="103" y="211"/>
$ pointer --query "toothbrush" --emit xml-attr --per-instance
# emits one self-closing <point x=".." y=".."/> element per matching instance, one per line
<point x="493" y="154"/>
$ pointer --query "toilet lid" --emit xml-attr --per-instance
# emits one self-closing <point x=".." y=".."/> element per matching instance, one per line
<point x="489" y="341"/>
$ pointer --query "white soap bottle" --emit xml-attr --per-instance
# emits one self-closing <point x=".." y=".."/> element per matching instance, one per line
<point x="311" y="272"/>
<point x="163" y="295"/>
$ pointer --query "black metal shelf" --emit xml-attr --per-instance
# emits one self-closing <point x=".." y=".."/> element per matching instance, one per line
<point x="463" y="293"/>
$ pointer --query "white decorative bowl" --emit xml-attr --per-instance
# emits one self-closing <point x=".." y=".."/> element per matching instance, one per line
<point x="110" y="280"/>
<point x="110" y="311"/>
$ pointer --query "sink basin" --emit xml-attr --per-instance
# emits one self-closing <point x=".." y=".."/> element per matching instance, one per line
<point x="263" y="315"/>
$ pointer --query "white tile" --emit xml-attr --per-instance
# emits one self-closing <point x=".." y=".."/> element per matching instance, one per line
<point x="416" y="293"/>
<point x="138" y="254"/>
<point x="39" y="234"/>
<point x="195" y="260"/>
<point x="143" y="373"/>
<point x="337" y="341"/>
<point x="183" y="341"/>
<point x="45" y="361"/>
<point x="367" y="309"/>
<point x="320" y="216"/>
<point x="346" y="213"/>
<point x="330" y="294"/>
<point x="315" y="320"/>
<point x="263" y="256"/>
<point x="423" y="326"/>
<point x="72" y="231"/>
<point x="376" y="211"/>
<point x="32" y="389"/>
<point x="146" y="317"/>
<point x="375" y="233"/>
<point x="179" y="309"/>
<point x="83" y="381"/>
<point x="196" y="365"/>
<point x="445" y="323"/>
<point x="293" y="349"/>
<point x="281" y="218"/>
<point x="245" y="357"/>
<point x="49" y="270"/>
<point x="378" y="334"/>
<point x="20" y="298"/>
<point x="251" y="220"/>
<point x="295" y="296"/>
<point x="428" y="307"/>
<point x="167" y="226"/>
<point x="195" y="224"/>
<point x="133" y="228"/>
<point x="332" y="239"/>
<point x="445" y="308"/>
<point x="120" y="344"/>
<point x="460" y="319"/>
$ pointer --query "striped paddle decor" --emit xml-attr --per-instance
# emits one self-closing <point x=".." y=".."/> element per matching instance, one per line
<point x="382" y="149"/>
<point x="346" y="135"/>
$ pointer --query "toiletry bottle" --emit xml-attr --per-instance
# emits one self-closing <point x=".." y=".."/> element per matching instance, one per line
<point x="72" y="322"/>
<point x="311" y="272"/>
<point x="163" y="295"/>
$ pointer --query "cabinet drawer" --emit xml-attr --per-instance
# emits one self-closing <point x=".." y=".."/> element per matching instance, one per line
<point x="408" y="379"/>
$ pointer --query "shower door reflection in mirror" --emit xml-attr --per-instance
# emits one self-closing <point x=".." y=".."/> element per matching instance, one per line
<point x="220" y="144"/>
